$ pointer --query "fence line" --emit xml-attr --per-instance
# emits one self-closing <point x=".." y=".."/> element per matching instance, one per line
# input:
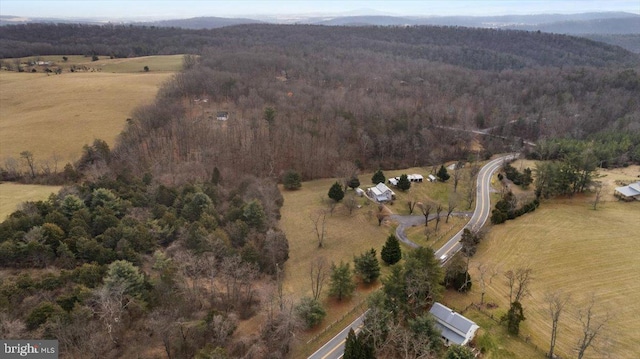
<point x="333" y="324"/>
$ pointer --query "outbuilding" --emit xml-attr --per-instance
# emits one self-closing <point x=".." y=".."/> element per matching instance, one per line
<point x="628" y="193"/>
<point x="415" y="177"/>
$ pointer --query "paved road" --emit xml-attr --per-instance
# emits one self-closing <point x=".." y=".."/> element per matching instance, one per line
<point x="334" y="349"/>
<point x="483" y="206"/>
<point x="405" y="222"/>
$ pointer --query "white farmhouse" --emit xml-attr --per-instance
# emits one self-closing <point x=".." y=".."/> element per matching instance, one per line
<point x="381" y="193"/>
<point x="455" y="328"/>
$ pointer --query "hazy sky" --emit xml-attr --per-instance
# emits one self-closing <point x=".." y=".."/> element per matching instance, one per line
<point x="192" y="8"/>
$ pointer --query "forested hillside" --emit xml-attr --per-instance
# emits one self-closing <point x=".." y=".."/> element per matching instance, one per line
<point x="487" y="49"/>
<point x="357" y="95"/>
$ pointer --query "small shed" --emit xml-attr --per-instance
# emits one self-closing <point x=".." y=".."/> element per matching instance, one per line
<point x="222" y="115"/>
<point x="628" y="193"/>
<point x="432" y="178"/>
<point x="359" y="192"/>
<point x="455" y="328"/>
<point x="393" y="181"/>
<point x="415" y="177"/>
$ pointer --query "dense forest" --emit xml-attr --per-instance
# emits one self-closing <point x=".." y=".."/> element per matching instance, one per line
<point x="172" y="236"/>
<point x="311" y="105"/>
<point x="487" y="49"/>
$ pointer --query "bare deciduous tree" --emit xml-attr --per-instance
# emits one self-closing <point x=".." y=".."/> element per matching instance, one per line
<point x="350" y="203"/>
<point x="345" y="171"/>
<point x="411" y="204"/>
<point x="598" y="189"/>
<point x="454" y="199"/>
<point x="485" y="277"/>
<point x="439" y="209"/>
<point x="27" y="156"/>
<point x="457" y="175"/>
<point x="556" y="301"/>
<point x="518" y="283"/>
<point x="318" y="271"/>
<point x="592" y="326"/>
<point x="319" y="226"/>
<point x="471" y="193"/>
<point x="110" y="305"/>
<point x="237" y="277"/>
<point x="425" y="208"/>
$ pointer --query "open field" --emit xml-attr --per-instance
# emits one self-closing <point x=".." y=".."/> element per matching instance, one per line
<point x="54" y="116"/>
<point x="12" y="195"/>
<point x="161" y="63"/>
<point x="572" y="248"/>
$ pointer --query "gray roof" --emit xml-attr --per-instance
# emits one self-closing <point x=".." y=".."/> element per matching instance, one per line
<point x="453" y="326"/>
<point x="631" y="190"/>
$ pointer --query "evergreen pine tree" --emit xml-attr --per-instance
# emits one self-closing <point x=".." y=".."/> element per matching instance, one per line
<point x="336" y="193"/>
<point x="404" y="183"/>
<point x="351" y="346"/>
<point x="442" y="174"/>
<point x="378" y="177"/>
<point x="292" y="180"/>
<point x="354" y="182"/>
<point x="342" y="284"/>
<point x="391" y="252"/>
<point x="367" y="266"/>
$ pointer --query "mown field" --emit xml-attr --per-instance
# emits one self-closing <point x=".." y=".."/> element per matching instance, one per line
<point x="53" y="116"/>
<point x="12" y="195"/>
<point x="570" y="247"/>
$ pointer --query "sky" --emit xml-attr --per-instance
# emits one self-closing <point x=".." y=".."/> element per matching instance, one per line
<point x="165" y="9"/>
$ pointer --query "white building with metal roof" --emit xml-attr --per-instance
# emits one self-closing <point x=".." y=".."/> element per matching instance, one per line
<point x="455" y="328"/>
<point x="629" y="192"/>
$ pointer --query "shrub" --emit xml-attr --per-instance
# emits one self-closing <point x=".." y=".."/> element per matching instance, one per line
<point x="40" y="314"/>
<point x="310" y="311"/>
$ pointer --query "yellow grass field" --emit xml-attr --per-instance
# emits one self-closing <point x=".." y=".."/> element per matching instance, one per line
<point x="56" y="115"/>
<point x="12" y="195"/>
<point x="572" y="248"/>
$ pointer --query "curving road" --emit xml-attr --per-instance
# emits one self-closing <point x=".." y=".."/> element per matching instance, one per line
<point x="334" y="348"/>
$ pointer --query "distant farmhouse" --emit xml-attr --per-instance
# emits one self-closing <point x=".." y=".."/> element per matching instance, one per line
<point x="222" y="115"/>
<point x="381" y="193"/>
<point x="455" y="328"/>
<point x="628" y="193"/>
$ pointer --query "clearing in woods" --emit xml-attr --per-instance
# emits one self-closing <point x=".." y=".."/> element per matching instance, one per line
<point x="53" y="116"/>
<point x="12" y="195"/>
<point x="572" y="248"/>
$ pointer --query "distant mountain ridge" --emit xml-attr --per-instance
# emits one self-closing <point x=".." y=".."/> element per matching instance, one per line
<point x="615" y="28"/>
<point x="205" y="22"/>
<point x="567" y="23"/>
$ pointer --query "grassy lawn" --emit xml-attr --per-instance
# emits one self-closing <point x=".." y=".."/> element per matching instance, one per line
<point x="570" y="247"/>
<point x="347" y="235"/>
<point x="12" y="195"/>
<point x="54" y="116"/>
